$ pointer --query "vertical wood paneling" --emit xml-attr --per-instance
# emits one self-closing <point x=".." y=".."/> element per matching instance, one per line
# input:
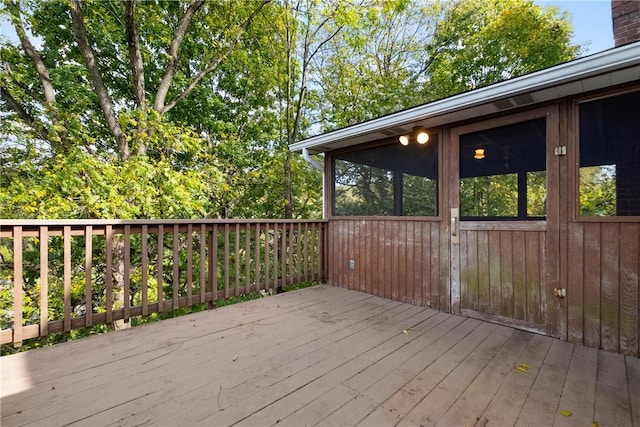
<point x="88" y="266"/>
<point x="506" y="273"/>
<point x="609" y="293"/>
<point x="17" y="286"/>
<point x="533" y="277"/>
<point x="495" y="283"/>
<point x="66" y="278"/>
<point x="629" y="326"/>
<point x="484" y="291"/>
<point x="144" y="266"/>
<point x="519" y="276"/>
<point x="465" y="291"/>
<point x="575" y="286"/>
<point x="592" y="284"/>
<point x="44" y="281"/>
<point x="401" y="261"/>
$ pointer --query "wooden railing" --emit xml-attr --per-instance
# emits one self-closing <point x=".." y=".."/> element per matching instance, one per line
<point x="67" y="274"/>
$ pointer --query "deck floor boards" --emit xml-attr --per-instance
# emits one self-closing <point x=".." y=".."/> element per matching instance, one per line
<point x="321" y="356"/>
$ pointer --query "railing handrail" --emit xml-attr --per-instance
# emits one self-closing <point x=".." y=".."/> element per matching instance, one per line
<point x="80" y="222"/>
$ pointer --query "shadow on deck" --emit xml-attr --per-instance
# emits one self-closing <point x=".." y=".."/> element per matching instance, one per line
<point x="320" y="356"/>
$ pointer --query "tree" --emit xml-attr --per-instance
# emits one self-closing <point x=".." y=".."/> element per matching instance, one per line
<point x="409" y="53"/>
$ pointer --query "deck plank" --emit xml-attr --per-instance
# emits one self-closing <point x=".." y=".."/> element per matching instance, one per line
<point x="612" y="391"/>
<point x="321" y="356"/>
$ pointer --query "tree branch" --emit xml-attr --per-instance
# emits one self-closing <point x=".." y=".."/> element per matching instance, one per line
<point x="135" y="56"/>
<point x="24" y="114"/>
<point x="30" y="50"/>
<point x="178" y="37"/>
<point x="211" y="67"/>
<point x="80" y="33"/>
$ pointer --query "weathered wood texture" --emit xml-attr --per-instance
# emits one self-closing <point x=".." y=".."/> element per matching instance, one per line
<point x="502" y="276"/>
<point x="321" y="356"/>
<point x="404" y="260"/>
<point x="144" y="267"/>
<point x="602" y="288"/>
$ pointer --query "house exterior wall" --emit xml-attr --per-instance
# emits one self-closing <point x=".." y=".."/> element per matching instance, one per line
<point x="505" y="272"/>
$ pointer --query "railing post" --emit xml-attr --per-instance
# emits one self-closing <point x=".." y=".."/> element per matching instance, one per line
<point x="44" y="281"/>
<point x="17" y="286"/>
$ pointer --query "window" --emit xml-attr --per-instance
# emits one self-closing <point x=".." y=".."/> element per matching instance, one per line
<point x="387" y="180"/>
<point x="610" y="156"/>
<point x="502" y="172"/>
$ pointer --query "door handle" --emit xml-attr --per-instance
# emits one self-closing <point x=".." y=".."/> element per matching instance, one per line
<point x="455" y="224"/>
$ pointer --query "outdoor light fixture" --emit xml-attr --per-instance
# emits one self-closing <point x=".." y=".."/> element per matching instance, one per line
<point x="479" y="155"/>
<point x="419" y="134"/>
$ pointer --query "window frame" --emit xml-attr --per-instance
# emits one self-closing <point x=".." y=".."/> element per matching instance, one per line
<point x="574" y="155"/>
<point x="331" y="181"/>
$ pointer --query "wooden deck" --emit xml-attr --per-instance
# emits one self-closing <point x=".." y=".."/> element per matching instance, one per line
<point x="320" y="356"/>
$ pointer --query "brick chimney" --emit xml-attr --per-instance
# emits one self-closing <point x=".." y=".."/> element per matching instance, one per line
<point x="626" y="21"/>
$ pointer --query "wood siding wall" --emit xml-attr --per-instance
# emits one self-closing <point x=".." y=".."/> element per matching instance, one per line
<point x="602" y="287"/>
<point x="502" y="277"/>
<point x="404" y="260"/>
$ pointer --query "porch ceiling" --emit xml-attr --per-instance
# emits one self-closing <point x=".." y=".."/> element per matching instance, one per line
<point x="605" y="69"/>
<point x="319" y="356"/>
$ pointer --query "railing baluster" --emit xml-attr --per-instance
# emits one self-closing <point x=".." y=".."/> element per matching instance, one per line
<point x="203" y="254"/>
<point x="189" y="265"/>
<point x="213" y="263"/>
<point x="127" y="274"/>
<point x="88" y="266"/>
<point x="247" y="258"/>
<point x="276" y="248"/>
<point x="144" y="261"/>
<point x="108" y="280"/>
<point x="176" y="261"/>
<point x="305" y="251"/>
<point x="299" y="254"/>
<point x="67" y="278"/>
<point x="283" y="248"/>
<point x="160" y="268"/>
<point x="267" y="267"/>
<point x="226" y="261"/>
<point x="44" y="281"/>
<point x="257" y="256"/>
<point x="236" y="241"/>
<point x="17" y="286"/>
<point x="313" y="250"/>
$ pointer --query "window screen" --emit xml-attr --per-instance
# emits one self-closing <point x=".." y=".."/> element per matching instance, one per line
<point x="387" y="180"/>
<point x="610" y="156"/>
<point x="503" y="172"/>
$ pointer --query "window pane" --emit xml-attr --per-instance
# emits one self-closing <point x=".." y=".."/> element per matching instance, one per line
<point x="362" y="189"/>
<point x="610" y="156"/>
<point x="419" y="196"/>
<point x="387" y="180"/>
<point x="495" y="195"/>
<point x="502" y="172"/>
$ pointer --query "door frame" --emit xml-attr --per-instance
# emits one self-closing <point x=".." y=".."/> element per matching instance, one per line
<point x="550" y="226"/>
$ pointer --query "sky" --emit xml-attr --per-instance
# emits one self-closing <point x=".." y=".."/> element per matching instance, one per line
<point x="591" y="22"/>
